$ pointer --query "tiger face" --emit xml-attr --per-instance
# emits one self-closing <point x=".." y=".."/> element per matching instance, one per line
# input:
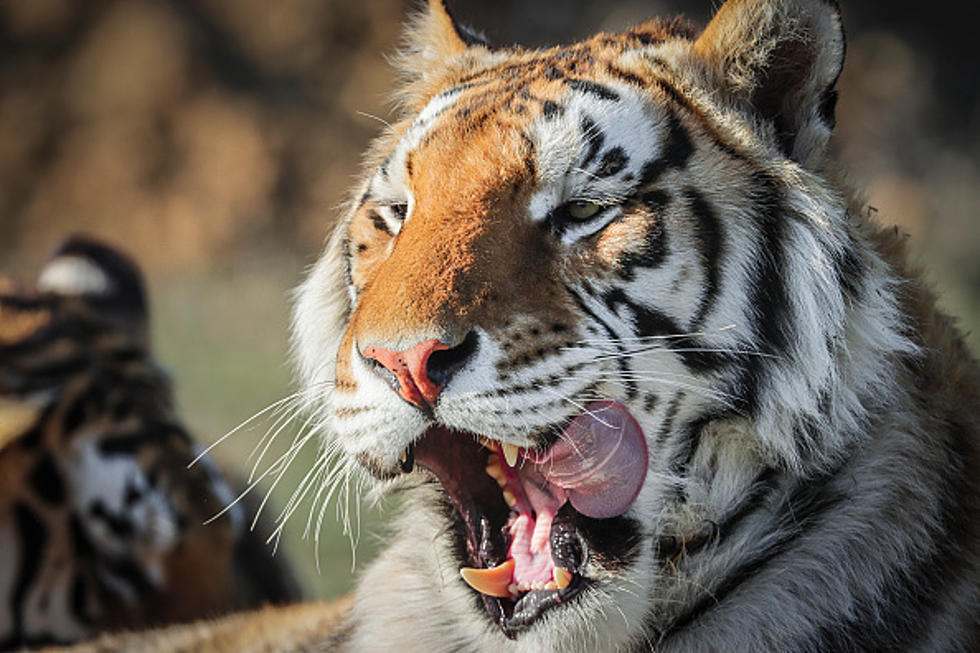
<point x="588" y="300"/>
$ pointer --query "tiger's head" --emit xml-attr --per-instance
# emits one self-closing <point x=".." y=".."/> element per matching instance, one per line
<point x="101" y="521"/>
<point x="599" y="292"/>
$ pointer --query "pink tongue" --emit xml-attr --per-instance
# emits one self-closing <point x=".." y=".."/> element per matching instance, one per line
<point x="600" y="460"/>
<point x="598" y="464"/>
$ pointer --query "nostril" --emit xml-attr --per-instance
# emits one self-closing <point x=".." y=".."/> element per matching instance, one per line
<point x="443" y="364"/>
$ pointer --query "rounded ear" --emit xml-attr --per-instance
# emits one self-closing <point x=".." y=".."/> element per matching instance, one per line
<point x="780" y="59"/>
<point x="100" y="275"/>
<point x="432" y="40"/>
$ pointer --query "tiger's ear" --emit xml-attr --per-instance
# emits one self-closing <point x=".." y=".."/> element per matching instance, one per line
<point x="433" y="39"/>
<point x="101" y="276"/>
<point x="780" y="59"/>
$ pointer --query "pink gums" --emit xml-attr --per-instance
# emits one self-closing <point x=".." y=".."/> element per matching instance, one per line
<point x="530" y="525"/>
<point x="598" y="464"/>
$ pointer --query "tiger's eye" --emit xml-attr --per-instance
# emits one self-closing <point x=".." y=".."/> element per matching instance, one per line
<point x="582" y="210"/>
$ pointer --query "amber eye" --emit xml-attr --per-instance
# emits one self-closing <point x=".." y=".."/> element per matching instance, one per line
<point x="582" y="210"/>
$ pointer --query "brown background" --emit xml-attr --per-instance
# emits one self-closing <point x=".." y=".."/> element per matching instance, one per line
<point x="214" y="139"/>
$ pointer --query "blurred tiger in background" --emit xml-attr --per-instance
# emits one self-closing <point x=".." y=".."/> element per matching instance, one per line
<point x="101" y="520"/>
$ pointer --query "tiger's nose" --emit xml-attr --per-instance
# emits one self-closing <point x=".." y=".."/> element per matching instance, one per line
<point x="422" y="371"/>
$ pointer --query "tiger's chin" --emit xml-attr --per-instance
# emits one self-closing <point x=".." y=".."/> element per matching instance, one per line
<point x="529" y="524"/>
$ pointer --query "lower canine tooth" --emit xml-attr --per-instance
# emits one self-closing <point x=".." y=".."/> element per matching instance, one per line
<point x="509" y="498"/>
<point x="562" y="578"/>
<point x="510" y="453"/>
<point x="494" y="582"/>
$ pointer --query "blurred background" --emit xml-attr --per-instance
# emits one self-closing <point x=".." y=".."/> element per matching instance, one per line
<point x="214" y="140"/>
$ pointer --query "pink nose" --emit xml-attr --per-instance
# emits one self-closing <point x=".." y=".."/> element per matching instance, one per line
<point x="410" y="368"/>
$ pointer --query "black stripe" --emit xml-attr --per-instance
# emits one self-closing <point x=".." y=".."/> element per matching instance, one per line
<point x="364" y="198"/>
<point x="379" y="222"/>
<point x="622" y="361"/>
<point x="678" y="98"/>
<point x="120" y="526"/>
<point x="348" y="264"/>
<point x="709" y="238"/>
<point x="649" y="322"/>
<point x="612" y="162"/>
<point x="131" y="573"/>
<point x="35" y="435"/>
<point x="650" y="401"/>
<point x="383" y="168"/>
<point x="849" y="269"/>
<point x="77" y="601"/>
<point x="592" y="88"/>
<point x="594" y="137"/>
<point x="530" y="164"/>
<point x="74" y="417"/>
<point x="149" y="433"/>
<point x="45" y="480"/>
<point x="550" y="110"/>
<point x="655" y="247"/>
<point x="32" y="540"/>
<point x="750" y="502"/>
<point x="625" y="76"/>
<point x="806" y="504"/>
<point x="456" y="90"/>
<point x="677" y="152"/>
<point x="669" y="417"/>
<point x="688" y="442"/>
<point x="768" y="297"/>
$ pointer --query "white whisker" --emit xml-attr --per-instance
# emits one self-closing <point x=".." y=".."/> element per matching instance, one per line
<point x="271" y="407"/>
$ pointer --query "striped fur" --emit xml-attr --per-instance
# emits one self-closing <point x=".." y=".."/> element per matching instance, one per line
<point x="101" y="521"/>
<point x="811" y="417"/>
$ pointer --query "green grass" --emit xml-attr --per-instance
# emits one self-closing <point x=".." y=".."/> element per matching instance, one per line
<point x="224" y="337"/>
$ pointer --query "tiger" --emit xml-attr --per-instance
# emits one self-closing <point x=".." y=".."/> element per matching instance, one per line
<point x="642" y="370"/>
<point x="102" y="523"/>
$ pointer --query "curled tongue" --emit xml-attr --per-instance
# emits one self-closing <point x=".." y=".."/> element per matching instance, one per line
<point x="600" y="461"/>
<point x="598" y="464"/>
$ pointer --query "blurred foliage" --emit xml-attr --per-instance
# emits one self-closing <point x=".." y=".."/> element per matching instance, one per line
<point x="214" y="140"/>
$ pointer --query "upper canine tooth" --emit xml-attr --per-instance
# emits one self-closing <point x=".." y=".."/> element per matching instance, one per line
<point x="494" y="582"/>
<point x="510" y="453"/>
<point x="404" y="456"/>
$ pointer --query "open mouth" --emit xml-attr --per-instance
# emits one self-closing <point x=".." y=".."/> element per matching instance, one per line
<point x="518" y="509"/>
